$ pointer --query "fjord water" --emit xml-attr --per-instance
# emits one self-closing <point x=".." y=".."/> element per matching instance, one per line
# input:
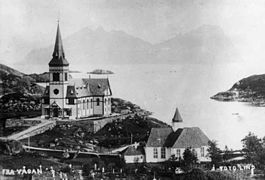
<point x="162" y="88"/>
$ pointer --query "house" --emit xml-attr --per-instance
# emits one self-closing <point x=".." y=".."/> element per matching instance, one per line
<point x="134" y="154"/>
<point x="165" y="142"/>
<point x="70" y="98"/>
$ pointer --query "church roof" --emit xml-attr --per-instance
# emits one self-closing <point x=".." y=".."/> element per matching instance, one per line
<point x="182" y="138"/>
<point x="58" y="57"/>
<point x="97" y="87"/>
<point x="158" y="136"/>
<point x="191" y="137"/>
<point x="177" y="117"/>
<point x="87" y="87"/>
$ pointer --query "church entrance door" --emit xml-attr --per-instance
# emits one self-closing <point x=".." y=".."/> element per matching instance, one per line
<point x="55" y="112"/>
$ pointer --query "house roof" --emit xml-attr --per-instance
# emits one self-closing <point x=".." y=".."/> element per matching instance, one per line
<point x="58" y="57"/>
<point x="158" y="136"/>
<point x="190" y="137"/>
<point x="177" y="117"/>
<point x="132" y="151"/>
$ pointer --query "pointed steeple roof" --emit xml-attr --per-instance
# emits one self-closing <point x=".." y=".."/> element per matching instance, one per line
<point x="58" y="52"/>
<point x="177" y="117"/>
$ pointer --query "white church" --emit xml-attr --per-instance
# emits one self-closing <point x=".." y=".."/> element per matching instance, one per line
<point x="69" y="98"/>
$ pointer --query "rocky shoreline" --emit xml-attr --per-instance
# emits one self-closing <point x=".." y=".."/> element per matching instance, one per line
<point x="250" y="90"/>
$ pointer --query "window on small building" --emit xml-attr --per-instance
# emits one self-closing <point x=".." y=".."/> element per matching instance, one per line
<point x="109" y="100"/>
<point x="66" y="77"/>
<point x="163" y="153"/>
<point x="87" y="103"/>
<point x="56" y="76"/>
<point x="91" y="103"/>
<point x="97" y="101"/>
<point x="84" y="104"/>
<point x="155" y="153"/>
<point x="202" y="152"/>
<point x="71" y="101"/>
<point x="178" y="153"/>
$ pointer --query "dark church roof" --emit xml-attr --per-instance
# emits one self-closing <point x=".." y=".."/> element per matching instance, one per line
<point x="158" y="136"/>
<point x="182" y="138"/>
<point x="191" y="137"/>
<point x="97" y="87"/>
<point x="58" y="57"/>
<point x="88" y="87"/>
<point x="177" y="117"/>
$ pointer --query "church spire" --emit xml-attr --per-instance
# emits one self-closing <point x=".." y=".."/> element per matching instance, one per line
<point x="58" y="47"/>
<point x="58" y="52"/>
<point x="177" y="117"/>
<point x="177" y="121"/>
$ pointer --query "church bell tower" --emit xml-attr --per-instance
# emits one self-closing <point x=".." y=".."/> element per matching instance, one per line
<point x="59" y="77"/>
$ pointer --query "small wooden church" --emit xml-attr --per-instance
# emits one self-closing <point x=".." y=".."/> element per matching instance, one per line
<point x="70" y="98"/>
<point x="163" y="143"/>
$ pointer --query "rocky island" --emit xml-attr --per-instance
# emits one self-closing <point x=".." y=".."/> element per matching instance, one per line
<point x="100" y="71"/>
<point x="250" y="89"/>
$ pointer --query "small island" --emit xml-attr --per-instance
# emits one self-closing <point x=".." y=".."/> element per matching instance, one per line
<point x="100" y="71"/>
<point x="250" y="89"/>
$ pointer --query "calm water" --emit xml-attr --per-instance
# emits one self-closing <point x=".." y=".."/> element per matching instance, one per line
<point x="162" y="88"/>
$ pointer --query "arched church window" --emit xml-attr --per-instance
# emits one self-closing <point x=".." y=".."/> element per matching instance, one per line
<point x="97" y="101"/>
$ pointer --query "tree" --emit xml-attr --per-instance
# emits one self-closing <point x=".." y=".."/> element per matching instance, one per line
<point x="189" y="158"/>
<point x="227" y="153"/>
<point x="255" y="152"/>
<point x="214" y="152"/>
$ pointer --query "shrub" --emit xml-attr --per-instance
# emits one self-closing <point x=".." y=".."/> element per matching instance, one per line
<point x="197" y="174"/>
<point x="215" y="175"/>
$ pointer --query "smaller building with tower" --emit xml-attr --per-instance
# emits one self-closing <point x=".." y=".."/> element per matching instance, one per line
<point x="163" y="143"/>
<point x="69" y="98"/>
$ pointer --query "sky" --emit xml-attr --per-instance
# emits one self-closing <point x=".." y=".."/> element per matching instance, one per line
<point x="34" y="21"/>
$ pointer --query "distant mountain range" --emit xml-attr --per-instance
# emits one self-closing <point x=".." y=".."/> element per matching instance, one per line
<point x="206" y="44"/>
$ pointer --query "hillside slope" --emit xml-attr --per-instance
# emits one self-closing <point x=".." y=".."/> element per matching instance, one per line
<point x="13" y="81"/>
